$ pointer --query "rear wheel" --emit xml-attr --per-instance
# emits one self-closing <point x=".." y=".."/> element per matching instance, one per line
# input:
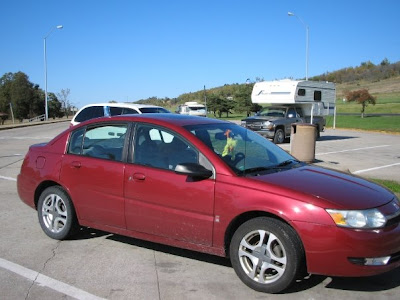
<point x="317" y="133"/>
<point x="279" y="136"/>
<point x="267" y="254"/>
<point x="56" y="213"/>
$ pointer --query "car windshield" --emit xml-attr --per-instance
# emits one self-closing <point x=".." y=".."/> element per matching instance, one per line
<point x="152" y="110"/>
<point x="244" y="151"/>
<point x="273" y="112"/>
<point x="196" y="108"/>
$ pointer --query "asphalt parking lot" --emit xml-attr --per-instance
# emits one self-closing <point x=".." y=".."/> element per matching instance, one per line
<point x="98" y="265"/>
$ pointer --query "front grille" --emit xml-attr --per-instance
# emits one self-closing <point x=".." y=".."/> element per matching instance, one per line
<point x="254" y="125"/>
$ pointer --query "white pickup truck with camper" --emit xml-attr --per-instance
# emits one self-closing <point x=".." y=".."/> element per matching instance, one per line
<point x="192" y="109"/>
<point x="290" y="101"/>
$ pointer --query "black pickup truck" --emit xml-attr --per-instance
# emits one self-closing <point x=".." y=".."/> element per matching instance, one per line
<point x="275" y="122"/>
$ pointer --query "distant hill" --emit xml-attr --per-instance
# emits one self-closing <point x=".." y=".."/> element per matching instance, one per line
<point x="378" y="79"/>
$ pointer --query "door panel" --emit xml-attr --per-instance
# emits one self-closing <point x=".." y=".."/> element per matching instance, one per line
<point x="161" y="202"/>
<point x="93" y="172"/>
<point x="96" y="188"/>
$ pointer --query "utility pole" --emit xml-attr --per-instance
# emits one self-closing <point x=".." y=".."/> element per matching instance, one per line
<point x="12" y="113"/>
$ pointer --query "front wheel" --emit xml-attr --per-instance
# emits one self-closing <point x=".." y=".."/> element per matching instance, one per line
<point x="266" y="254"/>
<point x="56" y="213"/>
<point x="279" y="136"/>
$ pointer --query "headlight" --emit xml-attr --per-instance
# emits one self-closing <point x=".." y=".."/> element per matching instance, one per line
<point x="366" y="219"/>
<point x="243" y="123"/>
<point x="268" y="125"/>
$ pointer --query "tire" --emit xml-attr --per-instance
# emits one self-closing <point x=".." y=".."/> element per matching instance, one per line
<point x="56" y="213"/>
<point x="279" y="136"/>
<point x="317" y="133"/>
<point x="267" y="254"/>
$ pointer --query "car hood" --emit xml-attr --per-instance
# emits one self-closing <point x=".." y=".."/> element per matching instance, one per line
<point x="328" y="188"/>
<point x="260" y="118"/>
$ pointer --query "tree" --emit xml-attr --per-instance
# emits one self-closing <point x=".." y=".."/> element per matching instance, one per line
<point x="243" y="99"/>
<point x="362" y="97"/>
<point x="385" y="62"/>
<point x="26" y="98"/>
<point x="65" y="103"/>
<point x="5" y="93"/>
<point x="219" y="105"/>
<point x="55" y="106"/>
<point x="21" y="96"/>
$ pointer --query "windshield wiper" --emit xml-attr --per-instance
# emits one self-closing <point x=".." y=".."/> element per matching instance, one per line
<point x="285" y="163"/>
<point x="277" y="167"/>
<point x="256" y="170"/>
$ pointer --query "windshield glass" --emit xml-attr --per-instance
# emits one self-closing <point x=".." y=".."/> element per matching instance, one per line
<point x="196" y="108"/>
<point x="244" y="151"/>
<point x="273" y="111"/>
<point x="152" y="110"/>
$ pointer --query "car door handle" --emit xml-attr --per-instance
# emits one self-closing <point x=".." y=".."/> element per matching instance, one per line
<point x="76" y="164"/>
<point x="138" y="176"/>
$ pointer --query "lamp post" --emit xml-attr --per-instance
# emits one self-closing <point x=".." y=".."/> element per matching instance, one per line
<point x="45" y="71"/>
<point x="290" y="14"/>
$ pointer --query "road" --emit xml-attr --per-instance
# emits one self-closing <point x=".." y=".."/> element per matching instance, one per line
<point x="98" y="265"/>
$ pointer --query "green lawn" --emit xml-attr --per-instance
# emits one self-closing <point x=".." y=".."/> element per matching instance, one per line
<point x="391" y="185"/>
<point x="390" y="124"/>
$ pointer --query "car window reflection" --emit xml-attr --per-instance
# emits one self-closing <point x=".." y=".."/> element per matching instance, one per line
<point x="158" y="148"/>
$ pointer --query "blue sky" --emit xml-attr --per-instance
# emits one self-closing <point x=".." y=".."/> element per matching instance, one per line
<point x="129" y="50"/>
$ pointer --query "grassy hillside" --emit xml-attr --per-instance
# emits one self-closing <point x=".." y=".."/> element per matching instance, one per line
<point x="382" y="81"/>
<point x="387" y="93"/>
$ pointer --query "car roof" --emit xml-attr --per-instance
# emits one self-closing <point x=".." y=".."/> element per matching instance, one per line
<point x="159" y="118"/>
<point x="126" y="105"/>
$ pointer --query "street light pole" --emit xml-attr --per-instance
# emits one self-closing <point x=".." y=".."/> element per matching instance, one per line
<point x="290" y="14"/>
<point x="46" y="111"/>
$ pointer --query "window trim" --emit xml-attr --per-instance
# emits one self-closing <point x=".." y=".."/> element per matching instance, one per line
<point x="303" y="92"/>
<point x="202" y="159"/>
<point x="97" y="125"/>
<point x="317" y="95"/>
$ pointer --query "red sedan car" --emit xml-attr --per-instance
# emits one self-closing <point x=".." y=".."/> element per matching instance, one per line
<point x="214" y="187"/>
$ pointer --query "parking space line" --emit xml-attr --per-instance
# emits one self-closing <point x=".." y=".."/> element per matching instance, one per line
<point x="8" y="178"/>
<point x="349" y="150"/>
<point x="376" y="168"/>
<point x="43" y="280"/>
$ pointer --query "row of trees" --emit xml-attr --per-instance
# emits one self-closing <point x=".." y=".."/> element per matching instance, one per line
<point x="239" y="101"/>
<point x="25" y="100"/>
<point x="234" y="97"/>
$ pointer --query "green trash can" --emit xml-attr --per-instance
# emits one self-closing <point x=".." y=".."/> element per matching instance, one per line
<point x="302" y="141"/>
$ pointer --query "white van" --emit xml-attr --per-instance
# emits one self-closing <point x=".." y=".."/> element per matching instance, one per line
<point x="98" y="110"/>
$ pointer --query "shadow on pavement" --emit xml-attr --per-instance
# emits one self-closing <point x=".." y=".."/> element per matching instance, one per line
<point x="335" y="138"/>
<point x="216" y="260"/>
<point x="90" y="233"/>
<point x="376" y="283"/>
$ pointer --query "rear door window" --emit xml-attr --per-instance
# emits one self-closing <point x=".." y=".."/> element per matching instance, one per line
<point x="116" y="111"/>
<point x="106" y="141"/>
<point x="90" y="112"/>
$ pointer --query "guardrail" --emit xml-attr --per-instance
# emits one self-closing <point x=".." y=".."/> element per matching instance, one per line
<point x="37" y="118"/>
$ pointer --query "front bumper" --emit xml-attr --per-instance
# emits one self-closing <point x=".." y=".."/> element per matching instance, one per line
<point x="268" y="133"/>
<point x="335" y="251"/>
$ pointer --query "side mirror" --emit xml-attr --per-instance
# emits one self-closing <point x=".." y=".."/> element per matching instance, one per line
<point x="193" y="170"/>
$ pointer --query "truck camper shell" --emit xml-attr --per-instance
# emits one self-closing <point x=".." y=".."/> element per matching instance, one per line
<point x="315" y="97"/>
<point x="192" y="109"/>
